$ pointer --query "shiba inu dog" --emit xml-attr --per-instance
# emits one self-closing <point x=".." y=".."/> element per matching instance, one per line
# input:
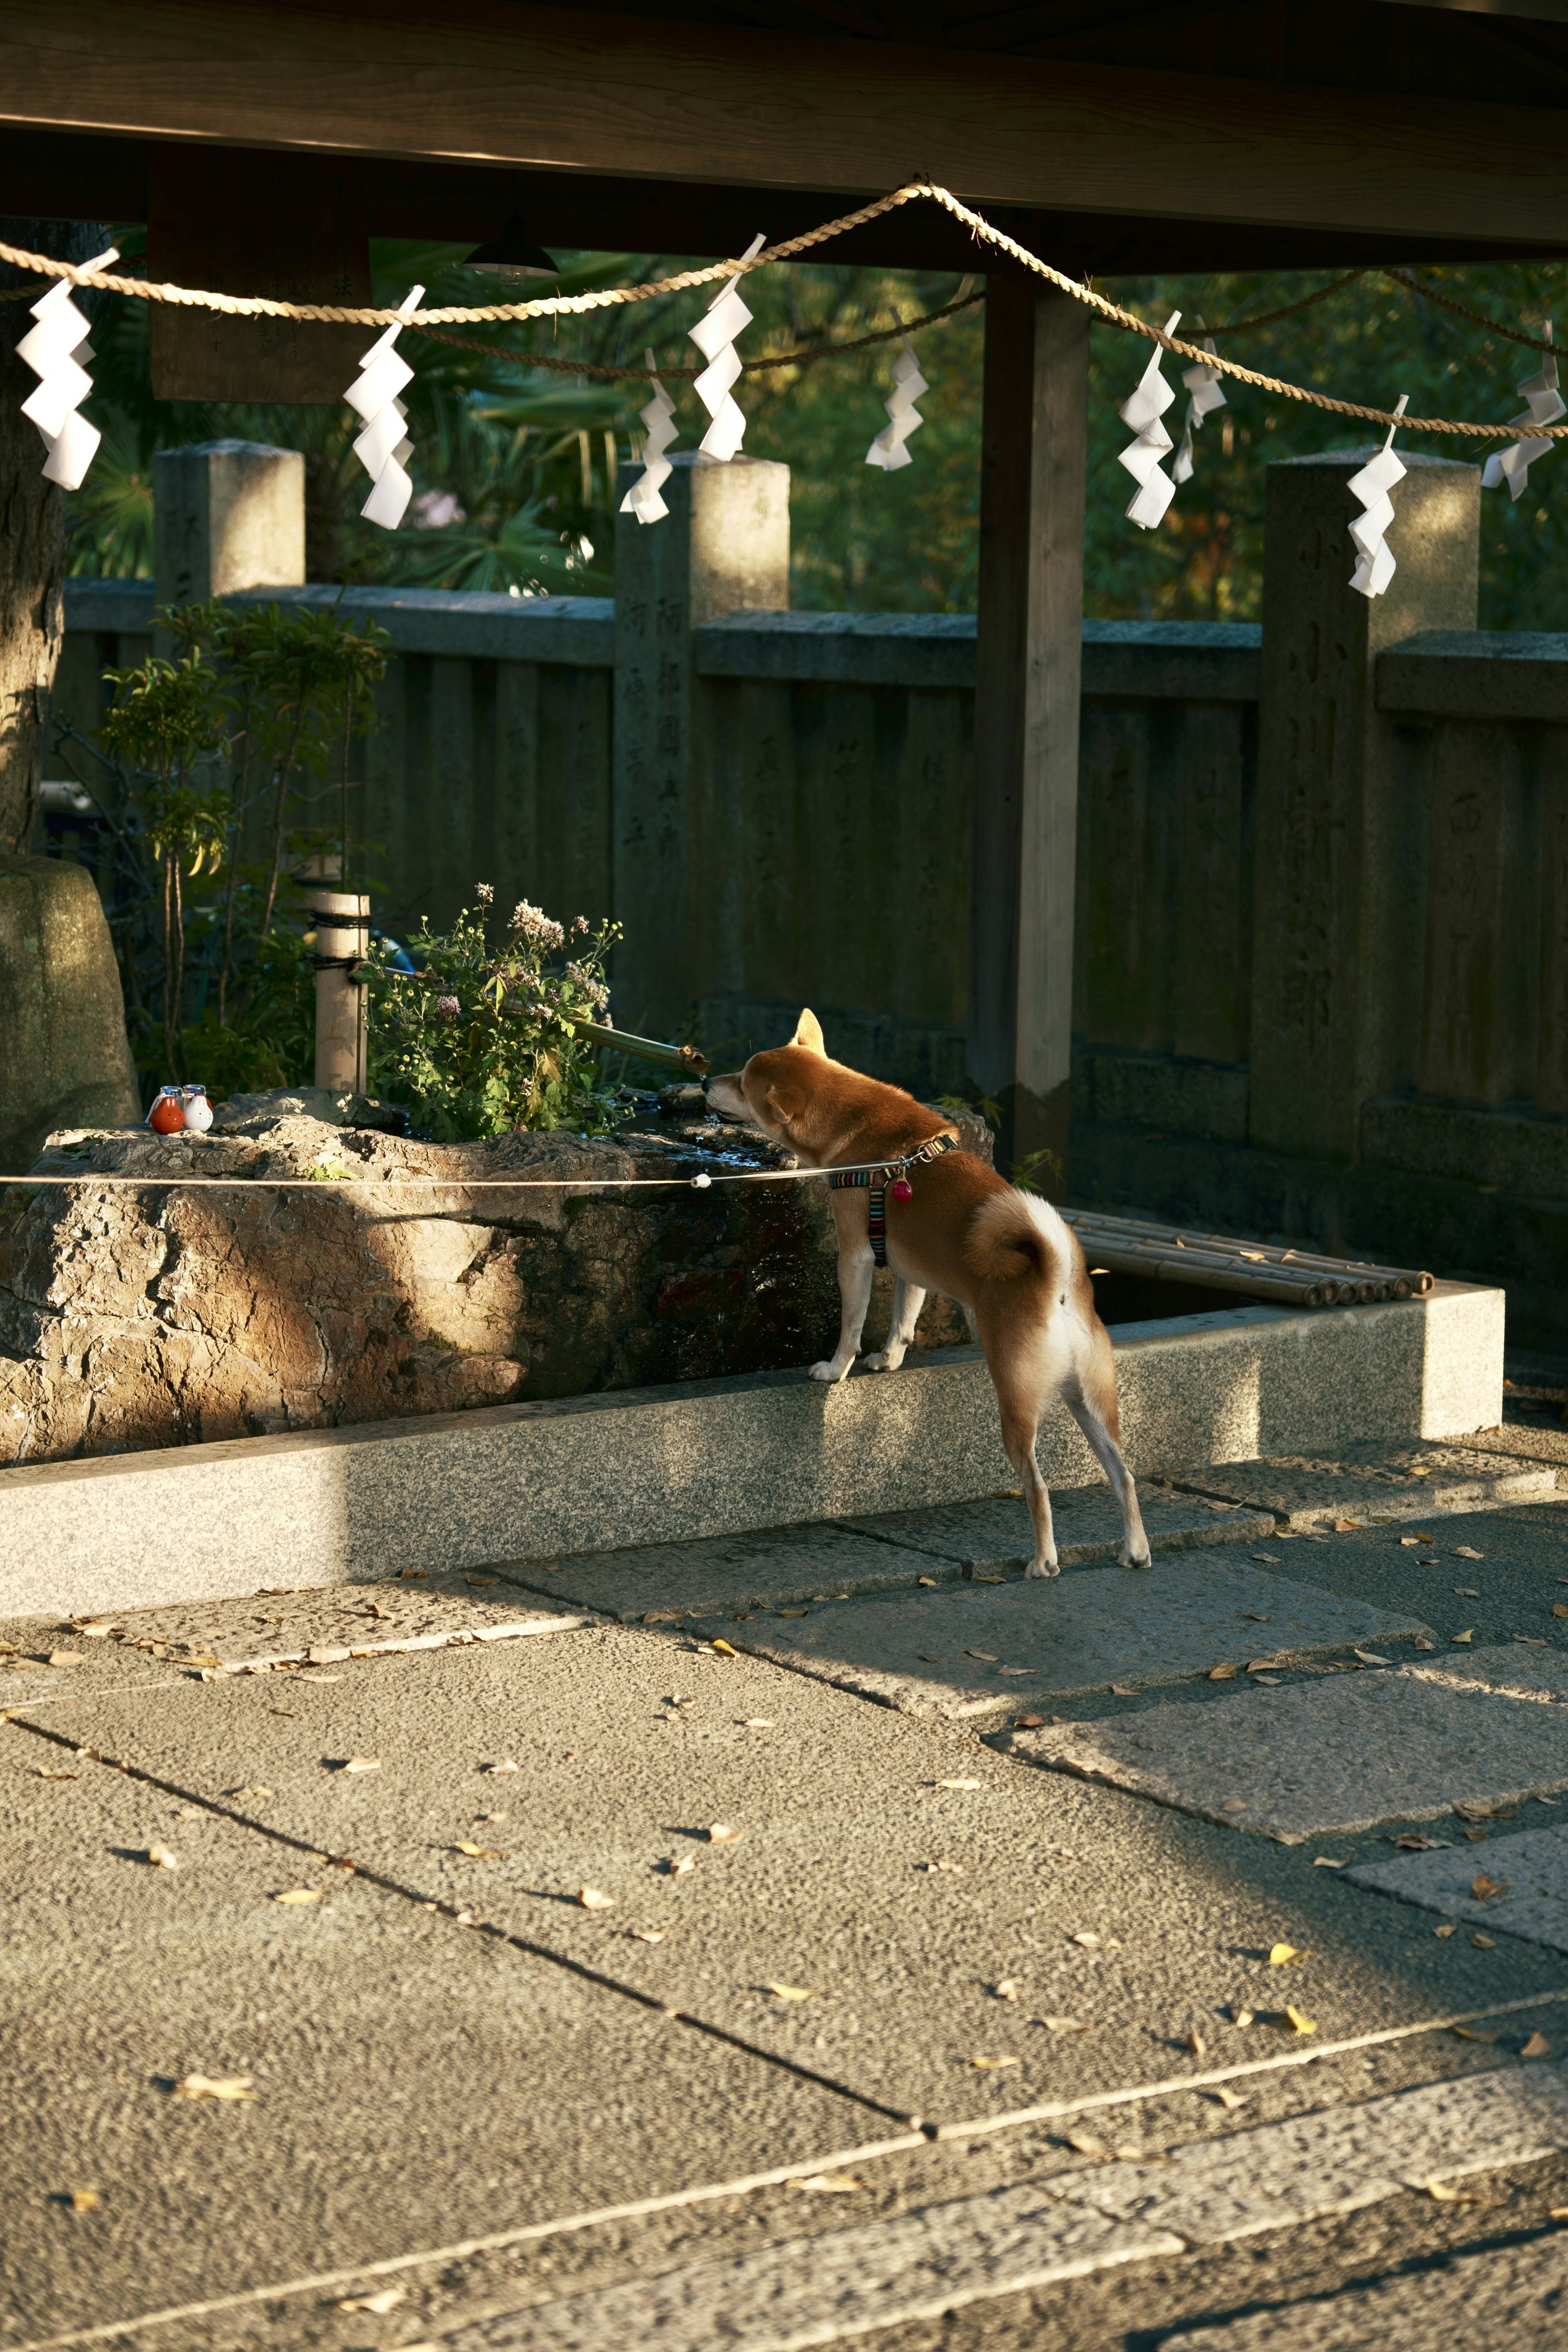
<point x="946" y="1222"/>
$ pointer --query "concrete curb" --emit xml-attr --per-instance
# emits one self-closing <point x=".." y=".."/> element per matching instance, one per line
<point x="714" y="1457"/>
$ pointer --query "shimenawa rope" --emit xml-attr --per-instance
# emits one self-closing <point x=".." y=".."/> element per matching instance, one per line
<point x="558" y="305"/>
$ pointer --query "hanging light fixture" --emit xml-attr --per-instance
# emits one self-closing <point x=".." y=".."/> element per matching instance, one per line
<point x="513" y="254"/>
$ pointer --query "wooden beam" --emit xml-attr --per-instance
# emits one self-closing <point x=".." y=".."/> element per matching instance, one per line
<point x="75" y="176"/>
<point x="657" y="98"/>
<point x="1034" y="444"/>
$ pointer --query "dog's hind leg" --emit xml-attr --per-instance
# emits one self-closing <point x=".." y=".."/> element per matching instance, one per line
<point x="1020" y="1426"/>
<point x="907" y="1303"/>
<point x="1090" y="1395"/>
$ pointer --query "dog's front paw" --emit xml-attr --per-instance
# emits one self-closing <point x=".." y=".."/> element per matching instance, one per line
<point x="1043" y="1568"/>
<point x="884" y="1360"/>
<point x="829" y="1372"/>
<point x="1128" y="1558"/>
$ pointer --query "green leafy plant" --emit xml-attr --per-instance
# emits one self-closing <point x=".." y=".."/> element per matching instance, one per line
<point x="201" y="757"/>
<point x="484" y="1039"/>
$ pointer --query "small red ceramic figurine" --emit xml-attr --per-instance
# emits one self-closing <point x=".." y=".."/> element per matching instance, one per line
<point x="167" y="1116"/>
<point x="901" y="1189"/>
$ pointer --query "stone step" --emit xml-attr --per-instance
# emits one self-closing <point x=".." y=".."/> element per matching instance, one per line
<point x="1365" y="1486"/>
<point x="528" y="1482"/>
<point x="776" y="1568"/>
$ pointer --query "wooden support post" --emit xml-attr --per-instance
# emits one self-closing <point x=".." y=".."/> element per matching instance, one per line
<point x="342" y="930"/>
<point x="1033" y="456"/>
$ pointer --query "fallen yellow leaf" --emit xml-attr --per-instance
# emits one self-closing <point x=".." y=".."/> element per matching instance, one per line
<point x="387" y="2300"/>
<point x="793" y="1992"/>
<point x="680" y="1864"/>
<point x="1297" y="2023"/>
<point x="1007" y="1990"/>
<point x="645" y="1934"/>
<point x="1227" y="2099"/>
<point x="1537" y="2046"/>
<point x="42" y="1772"/>
<point x="724" y="1650"/>
<point x="239" y="1793"/>
<point x="1460" y="1639"/>
<point x="1484" y="1943"/>
<point x="161" y="1858"/>
<point x="1224" y="1673"/>
<point x="67" y="1658"/>
<point x="757" y="1723"/>
<point x="1371" y="1658"/>
<point x="214" y="2087"/>
<point x="959" y="1784"/>
<point x="994" y="2062"/>
<point x="1194" y="2041"/>
<point x="1280" y="1956"/>
<point x="723" y="1834"/>
<point x="1443" y="1933"/>
<point x="506" y="1765"/>
<point x="362" y="1764"/>
<point x="299" y="1895"/>
<point x="1326" y="1862"/>
<point x="1446" y="2196"/>
<point x="926" y="1579"/>
<point x="831" y="2184"/>
<point x="83" y="2201"/>
<point x="1483" y="1888"/>
<point x="477" y="1853"/>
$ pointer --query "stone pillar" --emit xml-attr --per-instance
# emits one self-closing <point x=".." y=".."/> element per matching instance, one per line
<point x="722" y="548"/>
<point x="64" y="1061"/>
<point x="227" y="515"/>
<point x="1340" y="835"/>
<point x="1033" y="456"/>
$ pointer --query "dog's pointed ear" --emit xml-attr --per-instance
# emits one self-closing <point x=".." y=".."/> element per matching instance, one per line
<point x="808" y="1035"/>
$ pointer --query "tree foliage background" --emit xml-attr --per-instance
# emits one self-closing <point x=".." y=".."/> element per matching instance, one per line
<point x="516" y="466"/>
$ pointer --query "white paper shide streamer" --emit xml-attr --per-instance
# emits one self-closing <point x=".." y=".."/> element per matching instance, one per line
<point x="55" y="351"/>
<point x="888" y="450"/>
<point x="714" y="336"/>
<point x="1546" y="405"/>
<point x="1143" y="410"/>
<point x="1374" y="565"/>
<point x="1206" y="393"/>
<point x="643" y="499"/>
<point x="382" y="447"/>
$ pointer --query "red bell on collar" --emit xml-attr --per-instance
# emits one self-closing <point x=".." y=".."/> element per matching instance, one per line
<point x="901" y="1189"/>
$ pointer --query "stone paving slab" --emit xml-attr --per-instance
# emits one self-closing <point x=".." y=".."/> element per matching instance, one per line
<point x="1307" y="1760"/>
<point x="414" y="2082"/>
<point x="997" y="1533"/>
<point x="1368" y="1484"/>
<point x="318" y="1626"/>
<point x="1214" y="2192"/>
<point x="966" y="1650"/>
<point x="1524" y="1444"/>
<point x="894" y="1870"/>
<point x="1516" y="1670"/>
<point x="1509" y="2298"/>
<point x="714" y="1576"/>
<point x="778" y="1566"/>
<point x="1532" y="1866"/>
<point x="823" y="2289"/>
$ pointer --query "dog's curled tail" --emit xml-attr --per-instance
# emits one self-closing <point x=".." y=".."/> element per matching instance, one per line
<point x="1014" y="1235"/>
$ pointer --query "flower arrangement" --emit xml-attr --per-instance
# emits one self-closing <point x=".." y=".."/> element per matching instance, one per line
<point x="480" y="1040"/>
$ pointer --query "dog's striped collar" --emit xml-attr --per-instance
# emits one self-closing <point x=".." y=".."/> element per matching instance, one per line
<point x="877" y="1179"/>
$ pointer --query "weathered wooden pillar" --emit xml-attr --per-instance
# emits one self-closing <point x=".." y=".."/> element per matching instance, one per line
<point x="1033" y="456"/>
<point x="722" y="548"/>
<point x="1341" y="828"/>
